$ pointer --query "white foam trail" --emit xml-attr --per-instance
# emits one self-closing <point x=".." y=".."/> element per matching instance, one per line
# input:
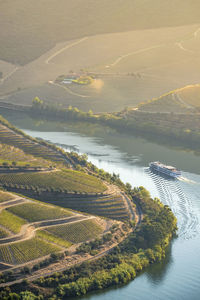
<point x="187" y="180"/>
<point x="172" y="193"/>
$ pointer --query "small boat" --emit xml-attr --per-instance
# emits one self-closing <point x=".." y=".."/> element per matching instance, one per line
<point x="164" y="169"/>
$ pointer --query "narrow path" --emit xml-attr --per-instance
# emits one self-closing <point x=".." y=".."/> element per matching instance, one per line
<point x="28" y="230"/>
<point x="66" y="264"/>
<point x="9" y="203"/>
<point x="177" y="97"/>
<point x="133" y="53"/>
<point x="68" y="90"/>
<point x="180" y="45"/>
<point x="8" y="75"/>
<point x="130" y="206"/>
<point x="64" y="48"/>
<point x="135" y="213"/>
<point x="196" y="33"/>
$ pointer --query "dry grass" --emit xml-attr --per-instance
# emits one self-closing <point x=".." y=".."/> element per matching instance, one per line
<point x="191" y="95"/>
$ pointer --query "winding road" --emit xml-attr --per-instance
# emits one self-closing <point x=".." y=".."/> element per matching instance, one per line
<point x="64" y="48"/>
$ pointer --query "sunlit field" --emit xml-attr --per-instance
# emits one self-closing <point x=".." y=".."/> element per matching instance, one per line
<point x="125" y="63"/>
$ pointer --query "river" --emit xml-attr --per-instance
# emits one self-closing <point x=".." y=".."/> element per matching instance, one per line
<point x="178" y="276"/>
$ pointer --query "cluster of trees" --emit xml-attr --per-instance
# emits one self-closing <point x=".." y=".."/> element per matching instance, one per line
<point x="139" y="122"/>
<point x="92" y="247"/>
<point x="42" y="191"/>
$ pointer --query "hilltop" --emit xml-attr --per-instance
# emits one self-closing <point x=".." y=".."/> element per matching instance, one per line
<point x="30" y="29"/>
<point x="183" y="100"/>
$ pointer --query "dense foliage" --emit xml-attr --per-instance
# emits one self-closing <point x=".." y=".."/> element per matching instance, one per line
<point x="178" y="127"/>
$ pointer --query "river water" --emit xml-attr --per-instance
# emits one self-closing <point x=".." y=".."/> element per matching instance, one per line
<point x="178" y="276"/>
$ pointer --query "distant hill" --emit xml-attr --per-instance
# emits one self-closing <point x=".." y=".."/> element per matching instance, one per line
<point x="186" y="99"/>
<point x="30" y="28"/>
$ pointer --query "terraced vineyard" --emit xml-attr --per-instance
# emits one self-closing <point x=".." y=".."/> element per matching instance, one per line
<point x="47" y="236"/>
<point x="112" y="206"/>
<point x="5" y="196"/>
<point x="33" y="212"/>
<point x="67" y="179"/>
<point x="77" y="232"/>
<point x="29" y="146"/>
<point x="3" y="233"/>
<point x="49" y="228"/>
<point x="11" y="222"/>
<point x="10" y="153"/>
<point x="21" y="252"/>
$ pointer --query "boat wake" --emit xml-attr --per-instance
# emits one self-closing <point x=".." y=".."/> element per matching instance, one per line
<point x="174" y="194"/>
<point x="181" y="178"/>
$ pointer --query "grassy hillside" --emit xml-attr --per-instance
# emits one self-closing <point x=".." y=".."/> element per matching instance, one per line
<point x="191" y="95"/>
<point x="186" y="99"/>
<point x="5" y="196"/>
<point x="31" y="28"/>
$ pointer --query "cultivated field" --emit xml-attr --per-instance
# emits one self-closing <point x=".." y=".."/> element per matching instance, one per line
<point x="21" y="252"/>
<point x="8" y="136"/>
<point x="71" y="181"/>
<point x="77" y="232"/>
<point x="112" y="206"/>
<point x="3" y="233"/>
<point x="11" y="222"/>
<point x="125" y="63"/>
<point x="33" y="212"/>
<point x="47" y="236"/>
<point x="10" y="153"/>
<point x="21" y="43"/>
<point x="5" y="196"/>
<point x="56" y="229"/>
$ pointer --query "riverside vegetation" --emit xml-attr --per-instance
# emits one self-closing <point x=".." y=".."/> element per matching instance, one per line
<point x="144" y="244"/>
<point x="180" y="128"/>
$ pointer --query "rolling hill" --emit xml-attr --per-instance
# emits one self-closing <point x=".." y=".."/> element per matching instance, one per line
<point x="183" y="100"/>
<point x="31" y="28"/>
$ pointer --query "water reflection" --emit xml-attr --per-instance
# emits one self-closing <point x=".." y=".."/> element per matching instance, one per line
<point x="157" y="272"/>
<point x="135" y="150"/>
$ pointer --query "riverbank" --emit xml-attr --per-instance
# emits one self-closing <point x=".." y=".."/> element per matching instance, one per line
<point x="158" y="223"/>
<point x="162" y="128"/>
<point x="144" y="246"/>
<point x="114" y="152"/>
